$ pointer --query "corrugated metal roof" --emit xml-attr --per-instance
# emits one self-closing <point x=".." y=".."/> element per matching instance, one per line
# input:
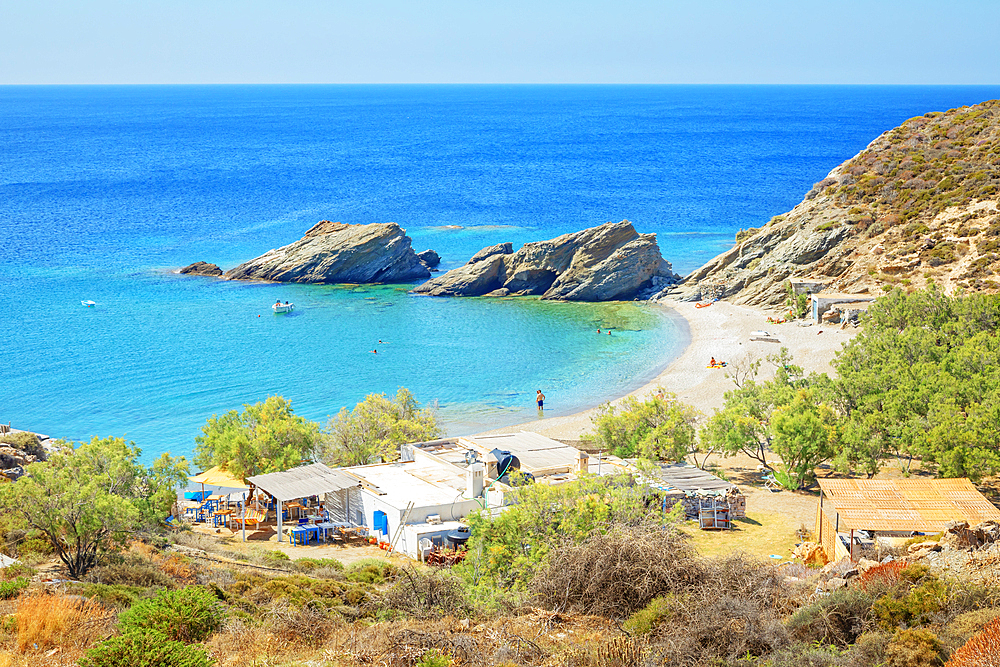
<point x="924" y="505"/>
<point x="302" y="482"/>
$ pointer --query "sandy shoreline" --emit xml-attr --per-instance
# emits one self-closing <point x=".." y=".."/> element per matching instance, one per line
<point x="721" y="330"/>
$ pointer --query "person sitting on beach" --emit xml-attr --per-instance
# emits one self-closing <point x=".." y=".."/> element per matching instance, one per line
<point x="712" y="362"/>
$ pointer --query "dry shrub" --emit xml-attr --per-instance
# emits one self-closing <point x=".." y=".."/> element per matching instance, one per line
<point x="309" y="624"/>
<point x="47" y="621"/>
<point x="882" y="577"/>
<point x="982" y="650"/>
<point x="839" y="618"/>
<point x="179" y="568"/>
<point x="244" y="644"/>
<point x="618" y="651"/>
<point x="617" y="573"/>
<point x="913" y="648"/>
<point x="426" y="593"/>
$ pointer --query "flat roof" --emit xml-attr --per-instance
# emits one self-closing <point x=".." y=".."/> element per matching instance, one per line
<point x="534" y="451"/>
<point x="410" y="481"/>
<point x="843" y="296"/>
<point x="923" y="505"/>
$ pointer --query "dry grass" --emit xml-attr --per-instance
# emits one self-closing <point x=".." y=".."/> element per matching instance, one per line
<point x="54" y="630"/>
<point x="760" y="534"/>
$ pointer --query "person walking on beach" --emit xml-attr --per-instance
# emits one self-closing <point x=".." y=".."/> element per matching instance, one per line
<point x="540" y="398"/>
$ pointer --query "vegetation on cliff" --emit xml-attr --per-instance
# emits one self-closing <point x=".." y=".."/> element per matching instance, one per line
<point x="918" y="205"/>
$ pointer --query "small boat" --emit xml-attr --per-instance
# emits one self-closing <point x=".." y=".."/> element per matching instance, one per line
<point x="88" y="303"/>
<point x="283" y="307"/>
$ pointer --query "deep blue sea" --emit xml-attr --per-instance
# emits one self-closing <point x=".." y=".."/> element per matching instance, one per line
<point x="105" y="191"/>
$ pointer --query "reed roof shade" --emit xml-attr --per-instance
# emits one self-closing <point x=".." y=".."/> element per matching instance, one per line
<point x="689" y="478"/>
<point x="309" y="480"/>
<point x="923" y="505"/>
<point x="218" y="476"/>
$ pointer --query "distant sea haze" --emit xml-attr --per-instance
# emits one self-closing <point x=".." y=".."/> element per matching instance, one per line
<point x="105" y="191"/>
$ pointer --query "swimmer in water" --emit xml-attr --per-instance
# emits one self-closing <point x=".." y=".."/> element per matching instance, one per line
<point x="375" y="351"/>
<point x="598" y="331"/>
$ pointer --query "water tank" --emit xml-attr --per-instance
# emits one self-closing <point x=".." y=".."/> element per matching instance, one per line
<point x="501" y="462"/>
<point x="459" y="536"/>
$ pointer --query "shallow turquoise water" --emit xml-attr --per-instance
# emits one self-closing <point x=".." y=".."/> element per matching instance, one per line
<point x="105" y="190"/>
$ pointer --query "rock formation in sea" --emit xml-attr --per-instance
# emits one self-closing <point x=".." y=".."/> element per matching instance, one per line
<point x="201" y="269"/>
<point x="921" y="203"/>
<point x="334" y="252"/>
<point x="604" y="263"/>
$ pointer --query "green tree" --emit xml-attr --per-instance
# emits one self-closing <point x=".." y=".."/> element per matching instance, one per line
<point x="265" y="437"/>
<point x="805" y="433"/>
<point x="746" y="423"/>
<point x="506" y="550"/>
<point x="659" y="428"/>
<point x="87" y="500"/>
<point x="373" y="431"/>
<point x="922" y="381"/>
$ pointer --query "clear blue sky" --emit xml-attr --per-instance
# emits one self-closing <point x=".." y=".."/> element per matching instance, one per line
<point x="509" y="41"/>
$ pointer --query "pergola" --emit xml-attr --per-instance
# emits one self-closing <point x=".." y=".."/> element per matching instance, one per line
<point x="308" y="480"/>
<point x="919" y="505"/>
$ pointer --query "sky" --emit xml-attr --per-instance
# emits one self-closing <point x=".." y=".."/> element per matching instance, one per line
<point x="513" y="41"/>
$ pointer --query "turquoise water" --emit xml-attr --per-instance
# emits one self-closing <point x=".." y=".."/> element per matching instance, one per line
<point x="105" y="190"/>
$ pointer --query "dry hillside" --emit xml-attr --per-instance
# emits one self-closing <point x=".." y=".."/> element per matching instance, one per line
<point x="920" y="203"/>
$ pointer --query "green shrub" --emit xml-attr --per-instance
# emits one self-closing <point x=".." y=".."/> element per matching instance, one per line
<point x="140" y="648"/>
<point x="16" y="571"/>
<point x="118" y="596"/>
<point x="914" y="572"/>
<point x="313" y="565"/>
<point x="274" y="558"/>
<point x="913" y="608"/>
<point x="644" y="621"/>
<point x="370" y="571"/>
<point x="13" y="588"/>
<point x="134" y="572"/>
<point x="434" y="658"/>
<point x="839" y="618"/>
<point x="26" y="442"/>
<point x="913" y="648"/>
<point x="187" y="614"/>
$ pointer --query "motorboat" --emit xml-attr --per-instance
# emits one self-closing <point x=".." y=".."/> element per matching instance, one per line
<point x="285" y="307"/>
<point x="88" y="303"/>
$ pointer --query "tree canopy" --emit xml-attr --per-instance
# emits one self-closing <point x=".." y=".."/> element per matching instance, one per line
<point x="86" y="500"/>
<point x="790" y="415"/>
<point x="373" y="431"/>
<point x="922" y="380"/>
<point x="265" y="437"/>
<point x="658" y="428"/>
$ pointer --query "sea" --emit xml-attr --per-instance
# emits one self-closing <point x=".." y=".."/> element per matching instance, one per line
<point x="105" y="191"/>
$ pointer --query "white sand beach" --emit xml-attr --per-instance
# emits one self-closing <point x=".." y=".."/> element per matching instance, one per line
<point x="721" y="330"/>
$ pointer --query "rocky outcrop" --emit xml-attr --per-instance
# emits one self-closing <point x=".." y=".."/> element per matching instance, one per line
<point x="334" y="252"/>
<point x="429" y="258"/>
<point x="201" y="269"/>
<point x="919" y="204"/>
<point x="602" y="263"/>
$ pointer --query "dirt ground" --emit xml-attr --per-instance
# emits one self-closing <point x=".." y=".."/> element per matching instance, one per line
<point x="268" y="539"/>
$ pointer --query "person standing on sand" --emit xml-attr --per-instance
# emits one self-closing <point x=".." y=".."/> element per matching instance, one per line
<point x="540" y="398"/>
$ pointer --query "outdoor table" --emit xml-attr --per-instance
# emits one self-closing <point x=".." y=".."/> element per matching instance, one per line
<point x="301" y="533"/>
<point x="326" y="527"/>
<point x="221" y="515"/>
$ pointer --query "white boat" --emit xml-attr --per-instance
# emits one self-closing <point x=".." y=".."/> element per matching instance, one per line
<point x="283" y="307"/>
<point x="89" y="304"/>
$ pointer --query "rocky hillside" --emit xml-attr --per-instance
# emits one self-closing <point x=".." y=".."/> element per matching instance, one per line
<point x="919" y="204"/>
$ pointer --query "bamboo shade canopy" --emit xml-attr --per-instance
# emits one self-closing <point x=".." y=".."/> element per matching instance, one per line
<point x="923" y="505"/>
